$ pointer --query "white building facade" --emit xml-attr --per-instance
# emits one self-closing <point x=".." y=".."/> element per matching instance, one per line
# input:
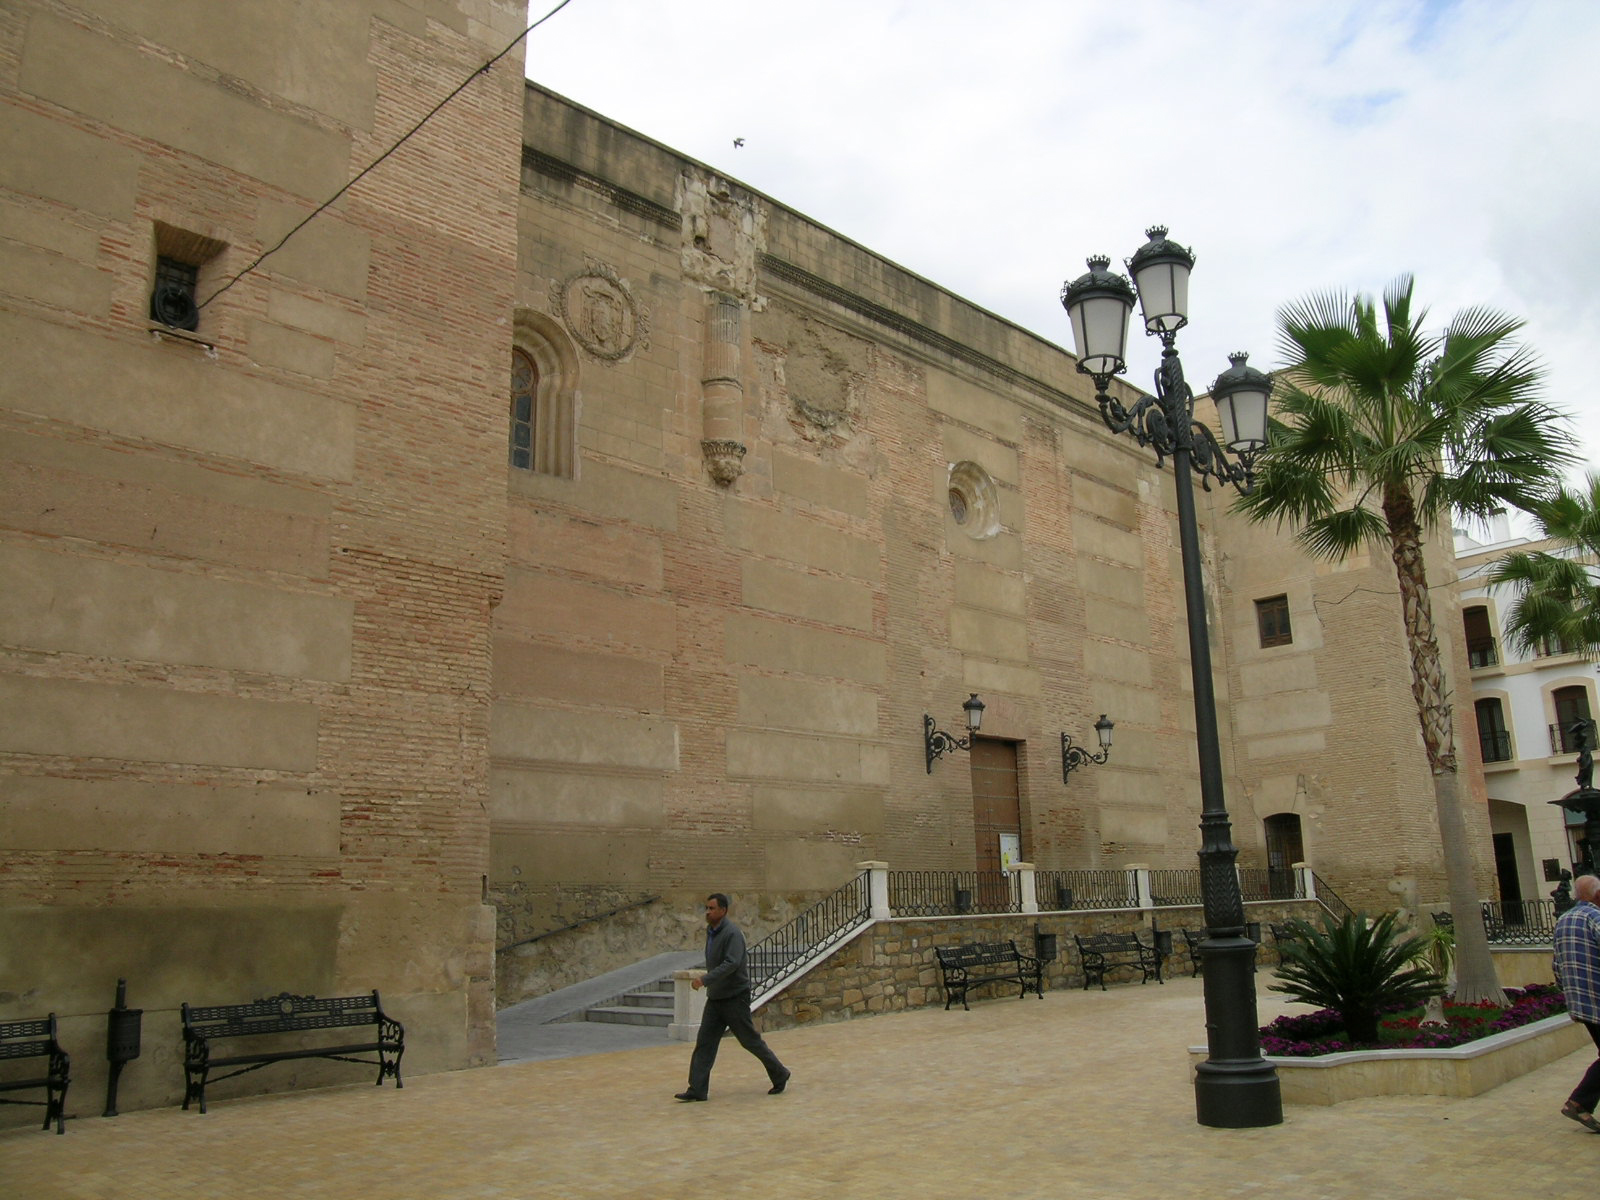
<point x="1525" y="707"/>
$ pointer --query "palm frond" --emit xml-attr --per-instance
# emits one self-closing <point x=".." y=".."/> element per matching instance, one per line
<point x="1338" y="535"/>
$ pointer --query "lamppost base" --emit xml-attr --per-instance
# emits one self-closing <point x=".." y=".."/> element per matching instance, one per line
<point x="1243" y="1094"/>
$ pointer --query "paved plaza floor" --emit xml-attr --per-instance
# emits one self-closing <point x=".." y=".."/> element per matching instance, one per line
<point x="1081" y="1094"/>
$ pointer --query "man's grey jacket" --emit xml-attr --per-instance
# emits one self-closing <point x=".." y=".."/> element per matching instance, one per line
<point x="725" y="976"/>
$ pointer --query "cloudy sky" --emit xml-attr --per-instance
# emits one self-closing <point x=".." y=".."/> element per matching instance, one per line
<point x="1294" y="145"/>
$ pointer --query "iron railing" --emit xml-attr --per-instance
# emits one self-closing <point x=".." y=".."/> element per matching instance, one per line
<point x="1330" y="900"/>
<point x="1552" y="647"/>
<point x="810" y="934"/>
<point x="1176" y="888"/>
<point x="1495" y="745"/>
<point x="1520" y="922"/>
<point x="1565" y="739"/>
<point x="953" y="893"/>
<point x="1062" y="890"/>
<point x="1482" y="652"/>
<point x="1267" y="883"/>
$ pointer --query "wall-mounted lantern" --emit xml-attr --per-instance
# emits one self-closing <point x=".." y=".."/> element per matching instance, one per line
<point x="1076" y="756"/>
<point x="939" y="743"/>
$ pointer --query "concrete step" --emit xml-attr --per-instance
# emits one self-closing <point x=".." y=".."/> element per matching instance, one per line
<point x="651" y="999"/>
<point x="627" y="1014"/>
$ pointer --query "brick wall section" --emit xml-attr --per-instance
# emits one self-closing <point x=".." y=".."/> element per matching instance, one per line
<point x="270" y="764"/>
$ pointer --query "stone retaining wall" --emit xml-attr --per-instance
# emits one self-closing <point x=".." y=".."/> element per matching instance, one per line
<point x="891" y="967"/>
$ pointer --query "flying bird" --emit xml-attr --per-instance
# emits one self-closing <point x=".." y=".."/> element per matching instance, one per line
<point x="737" y="142"/>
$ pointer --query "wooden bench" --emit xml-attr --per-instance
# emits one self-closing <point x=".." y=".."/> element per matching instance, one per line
<point x="286" y="1014"/>
<point x="37" y="1039"/>
<point x="969" y="966"/>
<point x="1284" y="933"/>
<point x="1102" y="952"/>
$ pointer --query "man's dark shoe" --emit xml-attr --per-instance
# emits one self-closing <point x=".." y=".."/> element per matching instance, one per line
<point x="688" y="1096"/>
<point x="779" y="1084"/>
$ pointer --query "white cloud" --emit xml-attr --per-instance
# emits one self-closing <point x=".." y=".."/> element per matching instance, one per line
<point x="1296" y="146"/>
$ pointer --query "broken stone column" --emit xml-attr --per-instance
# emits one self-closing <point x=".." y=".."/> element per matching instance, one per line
<point x="722" y="391"/>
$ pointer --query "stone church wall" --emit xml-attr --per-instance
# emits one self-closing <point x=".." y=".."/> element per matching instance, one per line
<point x="244" y="658"/>
<point x="323" y="667"/>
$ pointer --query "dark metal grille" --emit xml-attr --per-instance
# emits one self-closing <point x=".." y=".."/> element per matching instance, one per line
<point x="1175" y="888"/>
<point x="1329" y="899"/>
<point x="1264" y="883"/>
<point x="1520" y="922"/>
<point x="952" y="893"/>
<point x="815" y="930"/>
<point x="172" y="300"/>
<point x="1060" y="890"/>
<point x="1482" y="652"/>
<point x="1495" y="745"/>
<point x="1564" y="739"/>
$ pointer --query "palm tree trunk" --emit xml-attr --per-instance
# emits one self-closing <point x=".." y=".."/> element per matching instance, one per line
<point x="1476" y="978"/>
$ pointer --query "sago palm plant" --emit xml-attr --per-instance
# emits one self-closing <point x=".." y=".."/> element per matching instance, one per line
<point x="1358" y="968"/>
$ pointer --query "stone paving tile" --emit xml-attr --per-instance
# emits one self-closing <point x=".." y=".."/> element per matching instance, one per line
<point x="1082" y="1094"/>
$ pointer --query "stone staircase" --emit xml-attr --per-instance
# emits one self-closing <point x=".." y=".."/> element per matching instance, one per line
<point x="559" y="1024"/>
<point x="647" y="1005"/>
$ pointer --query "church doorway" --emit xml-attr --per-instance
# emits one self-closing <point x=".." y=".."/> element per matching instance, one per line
<point x="1284" y="849"/>
<point x="996" y="814"/>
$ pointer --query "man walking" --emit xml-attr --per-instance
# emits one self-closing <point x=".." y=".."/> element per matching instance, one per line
<point x="1577" y="961"/>
<point x="727" y="986"/>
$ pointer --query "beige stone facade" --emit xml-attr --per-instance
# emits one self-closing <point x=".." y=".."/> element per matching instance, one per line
<point x="245" y="679"/>
<point x="323" y="668"/>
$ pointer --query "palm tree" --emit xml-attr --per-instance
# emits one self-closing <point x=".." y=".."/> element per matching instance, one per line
<point x="1558" y="601"/>
<point x="1384" y="430"/>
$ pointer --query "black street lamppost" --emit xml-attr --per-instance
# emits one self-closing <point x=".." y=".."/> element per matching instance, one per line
<point x="1235" y="1088"/>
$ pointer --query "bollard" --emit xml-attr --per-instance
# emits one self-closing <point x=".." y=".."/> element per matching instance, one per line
<point x="122" y="1042"/>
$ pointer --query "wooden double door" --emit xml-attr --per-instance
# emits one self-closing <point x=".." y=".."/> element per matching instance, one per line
<point x="996" y="812"/>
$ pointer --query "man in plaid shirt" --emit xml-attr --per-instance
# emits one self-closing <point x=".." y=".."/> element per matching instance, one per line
<point x="1577" y="962"/>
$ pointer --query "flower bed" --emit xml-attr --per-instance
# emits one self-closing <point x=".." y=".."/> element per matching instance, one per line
<point x="1311" y="1034"/>
<point x="1527" y="1038"/>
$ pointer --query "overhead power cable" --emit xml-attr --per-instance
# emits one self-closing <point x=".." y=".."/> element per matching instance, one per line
<point x="404" y="138"/>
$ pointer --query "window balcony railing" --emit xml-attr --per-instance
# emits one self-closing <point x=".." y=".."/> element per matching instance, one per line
<point x="1495" y="745"/>
<point x="1564" y="739"/>
<point x="1552" y="648"/>
<point x="1482" y="652"/>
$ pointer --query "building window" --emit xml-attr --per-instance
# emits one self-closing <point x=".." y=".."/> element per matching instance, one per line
<point x="1272" y="618"/>
<point x="172" y="301"/>
<point x="543" y="412"/>
<point x="185" y="262"/>
<point x="1572" y="709"/>
<point x="524" y="393"/>
<point x="1481" y="648"/>
<point x="1494" y="739"/>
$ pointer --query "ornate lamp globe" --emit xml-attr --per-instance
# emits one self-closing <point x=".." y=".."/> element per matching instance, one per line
<point x="1098" y="304"/>
<point x="1160" y="270"/>
<point x="1241" y="394"/>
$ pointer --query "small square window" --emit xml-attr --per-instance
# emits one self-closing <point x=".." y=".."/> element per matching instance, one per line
<point x="186" y="264"/>
<point x="1272" y="618"/>
<point x="172" y="301"/>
